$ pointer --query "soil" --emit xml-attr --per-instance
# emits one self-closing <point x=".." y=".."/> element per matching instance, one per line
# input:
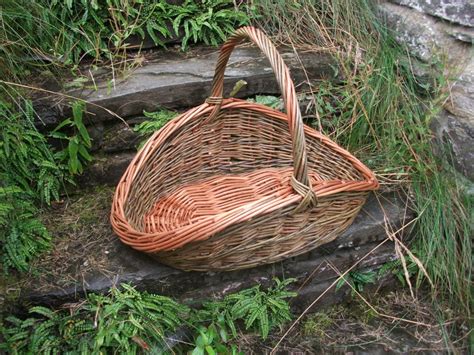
<point x="387" y="323"/>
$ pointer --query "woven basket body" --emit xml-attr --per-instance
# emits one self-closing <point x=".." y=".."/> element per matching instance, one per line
<point x="232" y="184"/>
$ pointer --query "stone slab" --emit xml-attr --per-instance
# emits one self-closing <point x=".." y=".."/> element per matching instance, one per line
<point x="456" y="11"/>
<point x="454" y="125"/>
<point x="454" y="137"/>
<point x="106" y="169"/>
<point x="312" y="270"/>
<point x="177" y="81"/>
<point x="425" y="36"/>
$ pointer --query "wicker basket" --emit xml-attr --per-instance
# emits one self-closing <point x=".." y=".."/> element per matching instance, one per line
<point x="232" y="184"/>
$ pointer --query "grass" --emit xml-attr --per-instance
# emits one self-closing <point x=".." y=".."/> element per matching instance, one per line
<point x="413" y="326"/>
<point x="355" y="327"/>
<point x="61" y="33"/>
<point x="382" y="112"/>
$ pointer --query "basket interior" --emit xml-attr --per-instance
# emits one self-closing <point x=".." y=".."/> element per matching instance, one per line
<point x="220" y="194"/>
<point x="175" y="179"/>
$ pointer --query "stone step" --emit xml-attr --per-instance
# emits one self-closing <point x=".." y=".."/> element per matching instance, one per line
<point x="315" y="270"/>
<point x="176" y="80"/>
<point x="106" y="169"/>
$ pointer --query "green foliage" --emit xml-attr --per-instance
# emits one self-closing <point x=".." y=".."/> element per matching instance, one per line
<point x="125" y="321"/>
<point x="357" y="280"/>
<point x="268" y="100"/>
<point x="208" y="21"/>
<point x="26" y="160"/>
<point x="131" y="322"/>
<point x="76" y="155"/>
<point x="22" y="235"/>
<point x="212" y="340"/>
<point x="64" y="31"/>
<point x="157" y="119"/>
<point x="28" y="174"/>
<point x="395" y="268"/>
<point x="259" y="310"/>
<point x="382" y="112"/>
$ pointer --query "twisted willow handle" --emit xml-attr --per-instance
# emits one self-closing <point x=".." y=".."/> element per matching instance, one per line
<point x="300" y="181"/>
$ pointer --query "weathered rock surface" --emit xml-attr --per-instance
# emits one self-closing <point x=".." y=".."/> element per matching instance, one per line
<point x="425" y="36"/>
<point x="454" y="126"/>
<point x="457" y="11"/>
<point x="177" y="81"/>
<point x="315" y="271"/>
<point x="429" y="39"/>
<point x="454" y="141"/>
<point x="106" y="169"/>
<point x="465" y="34"/>
<point x="120" y="137"/>
<point x="461" y="102"/>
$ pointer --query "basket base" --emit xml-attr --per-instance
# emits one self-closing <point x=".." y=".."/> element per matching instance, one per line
<point x="269" y="238"/>
<point x="266" y="238"/>
<point x="209" y="198"/>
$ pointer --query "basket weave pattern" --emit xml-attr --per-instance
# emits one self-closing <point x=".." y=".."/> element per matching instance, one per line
<point x="232" y="184"/>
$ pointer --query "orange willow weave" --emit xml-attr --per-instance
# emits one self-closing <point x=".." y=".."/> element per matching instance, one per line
<point x="232" y="184"/>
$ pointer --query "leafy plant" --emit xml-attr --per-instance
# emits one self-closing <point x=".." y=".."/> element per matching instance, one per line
<point x="357" y="280"/>
<point x="76" y="155"/>
<point x="124" y="321"/>
<point x="131" y="322"/>
<point x="268" y="100"/>
<point x="28" y="174"/>
<point x="211" y="340"/>
<point x="25" y="157"/>
<point x="257" y="309"/>
<point x="63" y="32"/>
<point x="22" y="235"/>
<point x="157" y="119"/>
<point x="395" y="268"/>
<point x="208" y="21"/>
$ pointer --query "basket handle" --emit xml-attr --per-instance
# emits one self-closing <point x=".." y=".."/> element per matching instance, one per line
<point x="300" y="180"/>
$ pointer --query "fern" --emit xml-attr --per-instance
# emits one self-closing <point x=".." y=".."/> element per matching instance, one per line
<point x="156" y="120"/>
<point x="259" y="310"/>
<point x="131" y="322"/>
<point x="267" y="100"/>
<point x="124" y="321"/>
<point x="65" y="31"/>
<point x="208" y="21"/>
<point x="22" y="235"/>
<point x="26" y="160"/>
<point x="28" y="174"/>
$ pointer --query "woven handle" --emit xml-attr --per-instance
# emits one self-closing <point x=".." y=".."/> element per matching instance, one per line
<point x="300" y="181"/>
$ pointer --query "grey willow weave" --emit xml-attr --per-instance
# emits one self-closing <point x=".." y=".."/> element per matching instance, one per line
<point x="232" y="184"/>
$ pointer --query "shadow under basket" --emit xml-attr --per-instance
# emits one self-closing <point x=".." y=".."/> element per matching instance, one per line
<point x="232" y="184"/>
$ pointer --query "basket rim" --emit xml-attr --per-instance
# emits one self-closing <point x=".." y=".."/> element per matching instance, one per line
<point x="206" y="228"/>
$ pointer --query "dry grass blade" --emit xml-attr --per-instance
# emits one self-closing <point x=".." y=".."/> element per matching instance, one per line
<point x="307" y="309"/>
<point x="405" y="269"/>
<point x="400" y="245"/>
<point x="380" y="314"/>
<point x="390" y="236"/>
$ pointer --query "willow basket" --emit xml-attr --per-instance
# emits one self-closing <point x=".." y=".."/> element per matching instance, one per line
<point x="232" y="184"/>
